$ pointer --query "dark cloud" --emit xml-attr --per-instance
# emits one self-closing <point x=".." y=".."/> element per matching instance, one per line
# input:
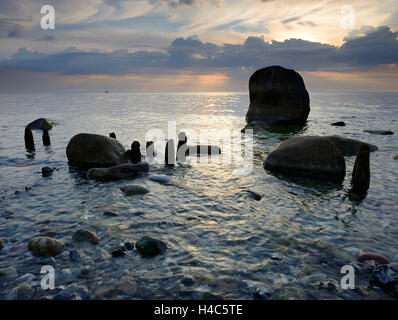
<point x="12" y="28"/>
<point x="362" y="49"/>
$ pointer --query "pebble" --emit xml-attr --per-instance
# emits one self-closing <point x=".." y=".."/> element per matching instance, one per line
<point x="150" y="246"/>
<point x="188" y="281"/>
<point x="46" y="246"/>
<point x="118" y="253"/>
<point x="22" y="292"/>
<point x="129" y="245"/>
<point x="85" y="235"/>
<point x="134" y="189"/>
<point x="8" y="273"/>
<point x="74" y="255"/>
<point x="110" y="214"/>
<point x="161" y="179"/>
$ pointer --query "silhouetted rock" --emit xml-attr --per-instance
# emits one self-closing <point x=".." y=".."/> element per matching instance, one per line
<point x="40" y="124"/>
<point x="134" y="155"/>
<point x="46" y="171"/>
<point x="361" y="172"/>
<point x="339" y="124"/>
<point x="112" y="135"/>
<point x="29" y="141"/>
<point x="380" y="132"/>
<point x="127" y="170"/>
<point x="93" y="150"/>
<point x="310" y="156"/>
<point x="277" y="96"/>
<point x="349" y="147"/>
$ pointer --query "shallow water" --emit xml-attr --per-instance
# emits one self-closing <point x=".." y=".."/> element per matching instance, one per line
<point x="300" y="234"/>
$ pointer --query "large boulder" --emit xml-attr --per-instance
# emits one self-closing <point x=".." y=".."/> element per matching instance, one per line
<point x="40" y="124"/>
<point x="277" y="97"/>
<point x="93" y="150"/>
<point x="313" y="156"/>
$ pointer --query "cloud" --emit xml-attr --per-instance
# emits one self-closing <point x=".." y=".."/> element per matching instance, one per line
<point x="364" y="48"/>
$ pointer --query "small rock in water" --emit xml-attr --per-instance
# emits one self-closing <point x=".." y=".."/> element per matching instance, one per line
<point x="383" y="276"/>
<point x="396" y="157"/>
<point x="339" y="124"/>
<point x="8" y="273"/>
<point x="150" y="246"/>
<point x="161" y="179"/>
<point x="129" y="245"/>
<point x="134" y="189"/>
<point x="261" y="293"/>
<point x="380" y="132"/>
<point x="22" y="292"/>
<point x="188" y="281"/>
<point x="373" y="256"/>
<point x="46" y="171"/>
<point x="46" y="246"/>
<point x="85" y="235"/>
<point x="74" y="255"/>
<point x="110" y="214"/>
<point x="255" y="195"/>
<point x="327" y="285"/>
<point x="118" y="253"/>
<point x="210" y="296"/>
<point x="1" y="244"/>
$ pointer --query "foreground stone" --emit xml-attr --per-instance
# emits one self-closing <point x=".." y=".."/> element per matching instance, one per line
<point x="315" y="157"/>
<point x="93" y="150"/>
<point x="22" y="292"/>
<point x="134" y="189"/>
<point x="277" y="97"/>
<point x="40" y="124"/>
<point x="85" y="235"/>
<point x="127" y="170"/>
<point x="46" y="246"/>
<point x="368" y="256"/>
<point x="150" y="246"/>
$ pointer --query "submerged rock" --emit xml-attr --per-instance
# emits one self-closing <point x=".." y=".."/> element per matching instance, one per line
<point x="255" y="195"/>
<point x="127" y="170"/>
<point x="150" y="246"/>
<point x="110" y="214"/>
<point x="118" y="253"/>
<point x="378" y="258"/>
<point x="315" y="157"/>
<point x="40" y="124"/>
<point x="46" y="171"/>
<point x="161" y="179"/>
<point x="380" y="132"/>
<point x="22" y="292"/>
<point x="46" y="246"/>
<point x="8" y="273"/>
<point x="277" y="97"/>
<point x="93" y="150"/>
<point x="1" y="244"/>
<point x="339" y="124"/>
<point x="134" y="189"/>
<point x="85" y="235"/>
<point x="396" y="157"/>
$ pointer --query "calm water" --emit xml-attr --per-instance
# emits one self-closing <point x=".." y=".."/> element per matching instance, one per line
<point x="298" y="235"/>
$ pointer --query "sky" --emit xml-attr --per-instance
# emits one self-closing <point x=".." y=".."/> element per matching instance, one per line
<point x="197" y="45"/>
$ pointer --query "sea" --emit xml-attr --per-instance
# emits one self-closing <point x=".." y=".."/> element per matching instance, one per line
<point x="230" y="233"/>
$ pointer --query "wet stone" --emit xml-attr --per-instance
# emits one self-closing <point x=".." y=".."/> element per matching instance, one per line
<point x="84" y="235"/>
<point x="129" y="245"/>
<point x="150" y="246"/>
<point x="74" y="255"/>
<point x="22" y="292"/>
<point x="110" y="214"/>
<point x="46" y="171"/>
<point x="118" y="253"/>
<point x="188" y="281"/>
